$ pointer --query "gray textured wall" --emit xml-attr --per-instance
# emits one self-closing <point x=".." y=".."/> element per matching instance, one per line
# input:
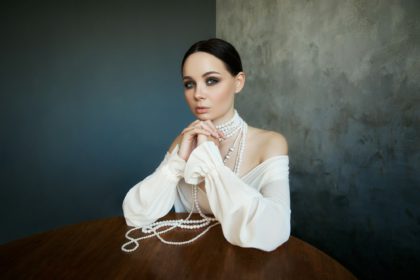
<point x="86" y="91"/>
<point x="340" y="79"/>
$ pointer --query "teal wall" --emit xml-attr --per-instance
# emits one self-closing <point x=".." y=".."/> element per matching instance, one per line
<point x="87" y="89"/>
<point x="341" y="80"/>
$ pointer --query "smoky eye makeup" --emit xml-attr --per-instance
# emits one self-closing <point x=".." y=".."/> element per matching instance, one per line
<point x="212" y="80"/>
<point x="188" y="84"/>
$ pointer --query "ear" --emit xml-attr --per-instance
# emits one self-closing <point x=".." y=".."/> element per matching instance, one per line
<point x="239" y="82"/>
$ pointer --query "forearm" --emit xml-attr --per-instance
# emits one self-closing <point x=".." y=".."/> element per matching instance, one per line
<point x="249" y="217"/>
<point x="154" y="196"/>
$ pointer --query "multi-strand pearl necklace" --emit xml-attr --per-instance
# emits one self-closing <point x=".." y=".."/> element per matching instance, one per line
<point x="229" y="128"/>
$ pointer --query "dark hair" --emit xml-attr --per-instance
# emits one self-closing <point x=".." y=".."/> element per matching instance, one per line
<point x="220" y="49"/>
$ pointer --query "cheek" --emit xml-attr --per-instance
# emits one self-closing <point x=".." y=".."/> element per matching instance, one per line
<point x="188" y="98"/>
<point x="222" y="95"/>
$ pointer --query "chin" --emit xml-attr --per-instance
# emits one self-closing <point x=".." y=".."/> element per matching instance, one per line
<point x="203" y="117"/>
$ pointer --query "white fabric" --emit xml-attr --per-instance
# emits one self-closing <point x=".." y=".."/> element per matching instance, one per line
<point x="254" y="210"/>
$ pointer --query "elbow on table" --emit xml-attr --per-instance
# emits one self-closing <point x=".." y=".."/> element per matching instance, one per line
<point x="137" y="215"/>
<point x="280" y="240"/>
<point x="133" y="217"/>
<point x="282" y="234"/>
<point x="278" y="234"/>
<point x="130" y="218"/>
<point x="266" y="241"/>
<point x="130" y="222"/>
<point x="137" y="221"/>
<point x="271" y="243"/>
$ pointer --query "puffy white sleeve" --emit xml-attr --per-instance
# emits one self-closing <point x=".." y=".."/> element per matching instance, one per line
<point x="154" y="196"/>
<point x="249" y="218"/>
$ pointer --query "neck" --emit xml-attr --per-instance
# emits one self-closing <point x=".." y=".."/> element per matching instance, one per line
<point x="227" y="117"/>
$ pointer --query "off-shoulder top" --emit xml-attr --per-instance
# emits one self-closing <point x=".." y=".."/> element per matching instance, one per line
<point x="253" y="210"/>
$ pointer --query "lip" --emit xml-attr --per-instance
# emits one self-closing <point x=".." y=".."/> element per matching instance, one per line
<point x="201" y="110"/>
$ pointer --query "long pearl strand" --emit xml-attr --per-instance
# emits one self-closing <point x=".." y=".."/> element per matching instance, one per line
<point x="231" y="149"/>
<point x="240" y="156"/>
<point x="229" y="128"/>
<point x="181" y="223"/>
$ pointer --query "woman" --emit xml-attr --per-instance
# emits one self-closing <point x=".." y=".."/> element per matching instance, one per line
<point x="218" y="164"/>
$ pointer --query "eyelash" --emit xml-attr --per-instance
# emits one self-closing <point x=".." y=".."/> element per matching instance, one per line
<point x="214" y="81"/>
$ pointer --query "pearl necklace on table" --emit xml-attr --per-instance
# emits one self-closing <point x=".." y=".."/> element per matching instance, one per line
<point x="229" y="128"/>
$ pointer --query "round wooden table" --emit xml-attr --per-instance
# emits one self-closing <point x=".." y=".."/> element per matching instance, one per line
<point x="92" y="250"/>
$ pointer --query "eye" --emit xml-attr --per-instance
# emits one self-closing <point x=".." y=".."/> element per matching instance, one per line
<point x="212" y="81"/>
<point x="188" y="84"/>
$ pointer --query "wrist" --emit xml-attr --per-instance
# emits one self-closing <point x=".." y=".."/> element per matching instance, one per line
<point x="182" y="156"/>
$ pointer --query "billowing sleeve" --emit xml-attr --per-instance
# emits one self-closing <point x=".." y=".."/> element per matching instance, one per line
<point x="154" y="196"/>
<point x="249" y="218"/>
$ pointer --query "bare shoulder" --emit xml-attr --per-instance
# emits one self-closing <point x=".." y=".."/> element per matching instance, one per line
<point x="176" y="141"/>
<point x="271" y="143"/>
<point x="276" y="144"/>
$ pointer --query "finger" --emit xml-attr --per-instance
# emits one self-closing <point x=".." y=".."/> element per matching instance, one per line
<point x="208" y="127"/>
<point x="190" y="130"/>
<point x="194" y="123"/>
<point x="215" y="133"/>
<point x="187" y="129"/>
<point x="196" y="130"/>
<point x="211" y="124"/>
<point x="200" y="126"/>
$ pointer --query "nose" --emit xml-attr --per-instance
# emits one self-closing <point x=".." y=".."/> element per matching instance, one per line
<point x="199" y="92"/>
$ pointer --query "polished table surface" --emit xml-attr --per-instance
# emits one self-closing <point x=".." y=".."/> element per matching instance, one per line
<point x="92" y="250"/>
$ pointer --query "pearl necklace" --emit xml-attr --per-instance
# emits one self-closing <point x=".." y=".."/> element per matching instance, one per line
<point x="152" y="229"/>
<point x="231" y="149"/>
<point x="181" y="223"/>
<point x="230" y="127"/>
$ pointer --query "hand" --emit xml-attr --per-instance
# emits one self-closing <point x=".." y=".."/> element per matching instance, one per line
<point x="196" y="133"/>
<point x="210" y="127"/>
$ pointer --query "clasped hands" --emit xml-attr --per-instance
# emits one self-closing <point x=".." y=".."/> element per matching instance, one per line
<point x="197" y="133"/>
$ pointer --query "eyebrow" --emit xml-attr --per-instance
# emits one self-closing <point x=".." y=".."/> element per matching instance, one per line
<point x="205" y="74"/>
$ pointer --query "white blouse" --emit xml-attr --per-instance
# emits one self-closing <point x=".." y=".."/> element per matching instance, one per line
<point x="253" y="210"/>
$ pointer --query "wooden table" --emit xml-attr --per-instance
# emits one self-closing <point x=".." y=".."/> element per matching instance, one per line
<point x="91" y="250"/>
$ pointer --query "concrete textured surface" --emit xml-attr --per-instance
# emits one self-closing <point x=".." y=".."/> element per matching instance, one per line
<point x="340" y="79"/>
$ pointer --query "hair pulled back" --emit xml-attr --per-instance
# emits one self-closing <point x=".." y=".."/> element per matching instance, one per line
<point x="220" y="49"/>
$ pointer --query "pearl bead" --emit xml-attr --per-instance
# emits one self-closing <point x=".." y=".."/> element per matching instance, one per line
<point x="229" y="128"/>
<point x="232" y="126"/>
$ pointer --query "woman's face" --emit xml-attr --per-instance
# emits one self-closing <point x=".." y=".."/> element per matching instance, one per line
<point x="209" y="87"/>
